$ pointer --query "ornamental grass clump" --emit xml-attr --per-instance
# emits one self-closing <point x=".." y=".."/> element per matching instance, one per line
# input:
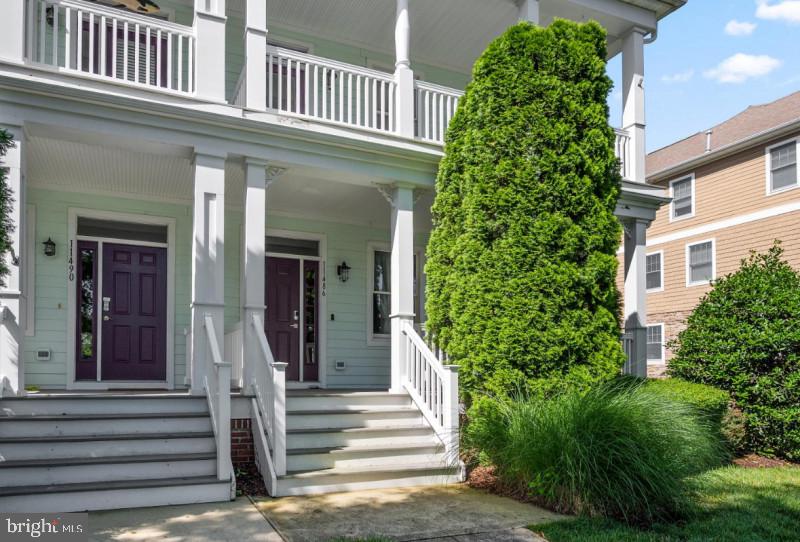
<point x="619" y="450"/>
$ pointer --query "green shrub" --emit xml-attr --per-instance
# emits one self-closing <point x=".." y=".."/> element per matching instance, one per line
<point x="6" y="224"/>
<point x="710" y="401"/>
<point x="618" y="450"/>
<point x="522" y="259"/>
<point x="744" y="337"/>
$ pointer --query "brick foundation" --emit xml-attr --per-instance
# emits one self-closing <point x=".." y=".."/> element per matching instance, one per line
<point x="242" y="453"/>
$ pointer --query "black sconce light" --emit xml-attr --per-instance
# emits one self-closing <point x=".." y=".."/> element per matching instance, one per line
<point x="49" y="247"/>
<point x="343" y="270"/>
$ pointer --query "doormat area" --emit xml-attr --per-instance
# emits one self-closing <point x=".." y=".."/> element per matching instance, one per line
<point x="402" y="514"/>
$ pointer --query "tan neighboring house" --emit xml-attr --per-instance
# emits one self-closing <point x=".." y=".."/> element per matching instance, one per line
<point x="733" y="189"/>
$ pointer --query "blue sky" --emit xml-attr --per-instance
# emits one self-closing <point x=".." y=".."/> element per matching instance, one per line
<point x="712" y="59"/>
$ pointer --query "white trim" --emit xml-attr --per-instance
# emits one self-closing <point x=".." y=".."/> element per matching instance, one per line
<point x="280" y="41"/>
<point x="713" y="242"/>
<point x="322" y="348"/>
<point x="672" y="217"/>
<point x="726" y="223"/>
<point x="372" y="338"/>
<point x="663" y="345"/>
<point x="660" y="287"/>
<point x="72" y="239"/>
<point x="29" y="287"/>
<point x="768" y="164"/>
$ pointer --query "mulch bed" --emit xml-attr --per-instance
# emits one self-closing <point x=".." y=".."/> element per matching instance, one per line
<point x="249" y="481"/>
<point x="755" y="461"/>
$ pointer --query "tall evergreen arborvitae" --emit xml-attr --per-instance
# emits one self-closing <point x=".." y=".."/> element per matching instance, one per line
<point x="6" y="225"/>
<point x="521" y="262"/>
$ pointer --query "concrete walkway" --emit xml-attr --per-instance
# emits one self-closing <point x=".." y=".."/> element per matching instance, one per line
<point x="236" y="521"/>
<point x="441" y="513"/>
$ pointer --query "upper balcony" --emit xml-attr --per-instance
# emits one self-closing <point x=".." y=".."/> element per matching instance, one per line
<point x="157" y="54"/>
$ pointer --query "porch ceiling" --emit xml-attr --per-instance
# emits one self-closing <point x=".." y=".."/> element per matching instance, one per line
<point x="447" y="33"/>
<point x="165" y="175"/>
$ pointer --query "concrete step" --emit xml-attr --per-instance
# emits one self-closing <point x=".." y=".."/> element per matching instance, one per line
<point x="103" y="424"/>
<point x="72" y="470"/>
<point x="74" y="404"/>
<point x="356" y="457"/>
<point x="370" y="417"/>
<point x="114" y="494"/>
<point x="317" y="400"/>
<point x="15" y="448"/>
<point x="346" y="479"/>
<point x="351" y="436"/>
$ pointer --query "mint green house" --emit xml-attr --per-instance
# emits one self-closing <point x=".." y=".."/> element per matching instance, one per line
<point x="221" y="211"/>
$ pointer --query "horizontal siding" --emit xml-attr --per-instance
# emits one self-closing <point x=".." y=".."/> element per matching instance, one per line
<point x="347" y="302"/>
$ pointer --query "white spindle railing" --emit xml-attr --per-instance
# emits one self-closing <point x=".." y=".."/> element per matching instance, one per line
<point x="323" y="89"/>
<point x="622" y="150"/>
<point x="218" y="392"/>
<point x="627" y="340"/>
<point x="433" y="386"/>
<point x="234" y="351"/>
<point x="436" y="106"/>
<point x="107" y="43"/>
<point x="11" y="375"/>
<point x="269" y="409"/>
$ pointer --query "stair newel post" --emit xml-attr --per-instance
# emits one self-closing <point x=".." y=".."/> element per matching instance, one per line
<point x="224" y="422"/>
<point x="279" y="420"/>
<point x="451" y="412"/>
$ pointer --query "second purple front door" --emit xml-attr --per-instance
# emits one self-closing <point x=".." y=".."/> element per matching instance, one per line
<point x="133" y="312"/>
<point x="283" y="313"/>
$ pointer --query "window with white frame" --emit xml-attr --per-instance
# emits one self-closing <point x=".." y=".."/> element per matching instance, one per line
<point x="655" y="343"/>
<point x="379" y="323"/>
<point x="653" y="273"/>
<point x="682" y="198"/>
<point x="699" y="263"/>
<point x="782" y="166"/>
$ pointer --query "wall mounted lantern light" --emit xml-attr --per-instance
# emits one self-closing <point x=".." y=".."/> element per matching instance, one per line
<point x="343" y="270"/>
<point x="49" y="247"/>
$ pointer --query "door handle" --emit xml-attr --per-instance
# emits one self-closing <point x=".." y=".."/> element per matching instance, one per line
<point x="106" y="318"/>
<point x="295" y="325"/>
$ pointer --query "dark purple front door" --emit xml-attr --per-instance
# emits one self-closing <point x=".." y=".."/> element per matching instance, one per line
<point x="133" y="311"/>
<point x="283" y="313"/>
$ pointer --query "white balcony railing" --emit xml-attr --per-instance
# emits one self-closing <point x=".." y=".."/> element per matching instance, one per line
<point x="435" y="106"/>
<point x="323" y="89"/>
<point x="101" y="42"/>
<point x="622" y="148"/>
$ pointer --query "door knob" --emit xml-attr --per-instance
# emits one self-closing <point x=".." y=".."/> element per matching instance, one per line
<point x="295" y="325"/>
<point x="106" y="318"/>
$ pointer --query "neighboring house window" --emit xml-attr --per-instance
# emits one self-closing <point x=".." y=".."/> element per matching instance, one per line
<point x="682" y="198"/>
<point x="655" y="343"/>
<point x="699" y="263"/>
<point x="783" y="166"/>
<point x="653" y="271"/>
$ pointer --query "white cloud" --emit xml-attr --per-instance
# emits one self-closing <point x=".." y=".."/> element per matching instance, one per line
<point x="736" y="28"/>
<point x="681" y="77"/>
<point x="741" y="67"/>
<point x="784" y="10"/>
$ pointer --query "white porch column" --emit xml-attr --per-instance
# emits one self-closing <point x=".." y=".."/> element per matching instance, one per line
<point x="403" y="75"/>
<point x="635" y="295"/>
<point x="209" y="25"/>
<point x="402" y="275"/>
<point x="255" y="54"/>
<point x="529" y="11"/>
<point x="12" y="294"/>
<point x="12" y="31"/>
<point x="633" y="120"/>
<point x="208" y="260"/>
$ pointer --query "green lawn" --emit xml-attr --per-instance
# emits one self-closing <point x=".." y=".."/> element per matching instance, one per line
<point x="736" y="505"/>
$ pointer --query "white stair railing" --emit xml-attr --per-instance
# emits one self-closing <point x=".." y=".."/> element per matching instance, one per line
<point x="436" y="106"/>
<point x="234" y="352"/>
<point x="218" y="392"/>
<point x="433" y="386"/>
<point x="102" y="42"/>
<point x="10" y="354"/>
<point x="269" y="409"/>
